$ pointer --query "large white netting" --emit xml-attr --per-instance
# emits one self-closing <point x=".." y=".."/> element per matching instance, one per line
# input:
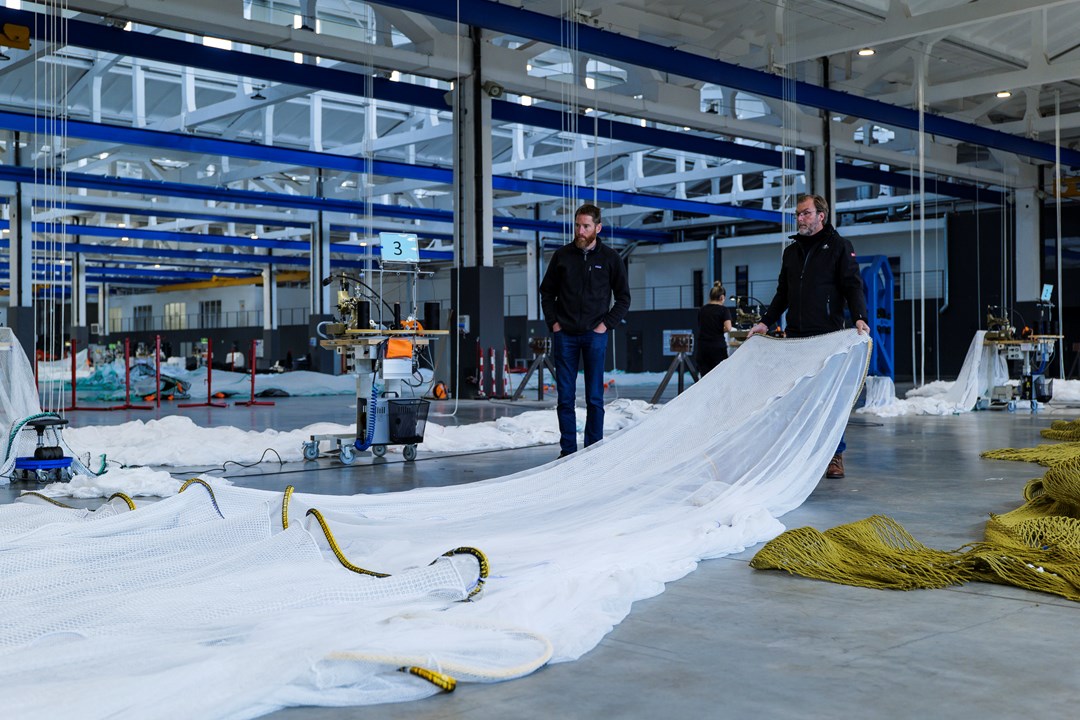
<point x="984" y="368"/>
<point x="19" y="403"/>
<point x="18" y="393"/>
<point x="207" y="605"/>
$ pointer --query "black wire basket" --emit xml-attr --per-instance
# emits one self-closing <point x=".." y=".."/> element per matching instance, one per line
<point x="406" y="420"/>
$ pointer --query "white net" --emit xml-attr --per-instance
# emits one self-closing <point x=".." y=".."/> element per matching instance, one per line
<point x="983" y="369"/>
<point x="19" y="405"/>
<point x="233" y="604"/>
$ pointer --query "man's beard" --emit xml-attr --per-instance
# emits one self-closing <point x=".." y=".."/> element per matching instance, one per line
<point x="581" y="242"/>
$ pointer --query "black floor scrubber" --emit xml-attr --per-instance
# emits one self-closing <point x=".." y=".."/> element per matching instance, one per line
<point x="48" y="463"/>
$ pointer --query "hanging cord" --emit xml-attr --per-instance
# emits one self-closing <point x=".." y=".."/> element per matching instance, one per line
<point x="373" y="403"/>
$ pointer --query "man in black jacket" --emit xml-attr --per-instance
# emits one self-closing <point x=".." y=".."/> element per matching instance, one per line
<point x="576" y="295"/>
<point x="818" y="274"/>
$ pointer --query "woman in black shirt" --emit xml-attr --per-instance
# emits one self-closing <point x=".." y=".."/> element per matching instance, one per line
<point x="713" y="321"/>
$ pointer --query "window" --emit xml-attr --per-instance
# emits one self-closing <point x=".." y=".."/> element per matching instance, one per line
<point x="116" y="319"/>
<point x="210" y="314"/>
<point x="144" y="315"/>
<point x="175" y="316"/>
<point x="742" y="280"/>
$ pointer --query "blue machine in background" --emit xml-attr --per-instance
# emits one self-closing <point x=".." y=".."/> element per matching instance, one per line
<point x="877" y="280"/>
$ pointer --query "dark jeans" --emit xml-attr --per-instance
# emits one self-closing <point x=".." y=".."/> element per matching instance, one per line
<point x="567" y="350"/>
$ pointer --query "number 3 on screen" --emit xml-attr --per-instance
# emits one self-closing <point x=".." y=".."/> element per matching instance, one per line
<point x="399" y="247"/>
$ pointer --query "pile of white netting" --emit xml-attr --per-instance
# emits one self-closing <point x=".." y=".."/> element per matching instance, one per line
<point x="19" y="404"/>
<point x="206" y="605"/>
<point x="983" y="369"/>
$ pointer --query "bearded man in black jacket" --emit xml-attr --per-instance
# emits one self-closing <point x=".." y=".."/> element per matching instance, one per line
<point x="818" y="275"/>
<point x="576" y="296"/>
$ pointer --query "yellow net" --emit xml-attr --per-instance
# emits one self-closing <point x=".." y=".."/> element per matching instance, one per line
<point x="1062" y="430"/>
<point x="1042" y="454"/>
<point x="1036" y="546"/>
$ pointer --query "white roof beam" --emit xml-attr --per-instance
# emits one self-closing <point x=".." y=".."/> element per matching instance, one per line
<point x="898" y="27"/>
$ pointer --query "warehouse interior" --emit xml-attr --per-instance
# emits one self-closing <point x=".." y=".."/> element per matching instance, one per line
<point x="215" y="185"/>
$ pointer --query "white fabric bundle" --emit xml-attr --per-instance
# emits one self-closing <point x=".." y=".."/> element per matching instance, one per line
<point x="207" y="606"/>
<point x="983" y="369"/>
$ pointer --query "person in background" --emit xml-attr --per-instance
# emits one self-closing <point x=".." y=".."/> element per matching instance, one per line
<point x="234" y="360"/>
<point x="713" y="321"/>
<point x="576" y="295"/>
<point x="818" y="275"/>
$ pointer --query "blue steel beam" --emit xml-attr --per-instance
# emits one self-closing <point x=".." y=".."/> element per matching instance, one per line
<point x="113" y="40"/>
<point x="152" y="188"/>
<point x="903" y="181"/>
<point x="302" y="158"/>
<point x="99" y="208"/>
<point x="596" y="42"/>
<point x="263" y="153"/>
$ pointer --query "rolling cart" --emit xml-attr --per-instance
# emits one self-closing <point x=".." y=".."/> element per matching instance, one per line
<point x="382" y="354"/>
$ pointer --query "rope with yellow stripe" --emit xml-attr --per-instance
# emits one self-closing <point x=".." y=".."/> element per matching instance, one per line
<point x="206" y="486"/>
<point x="337" y="548"/>
<point x="46" y="498"/>
<point x="481" y="559"/>
<point x="124" y="497"/>
<point x="439" y="680"/>
<point x="286" y="498"/>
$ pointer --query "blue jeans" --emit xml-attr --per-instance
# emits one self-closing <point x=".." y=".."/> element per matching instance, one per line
<point x="841" y="447"/>
<point x="567" y="350"/>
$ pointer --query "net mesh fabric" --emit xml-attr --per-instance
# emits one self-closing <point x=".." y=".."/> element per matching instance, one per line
<point x="1036" y="546"/>
<point x="235" y="603"/>
<point x="19" y="403"/>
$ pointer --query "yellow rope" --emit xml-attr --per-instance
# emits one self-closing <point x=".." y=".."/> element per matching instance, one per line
<point x="439" y="680"/>
<point x="46" y="498"/>
<point x="125" y="498"/>
<point x="480" y="557"/>
<point x="285" y="507"/>
<point x="206" y="486"/>
<point x="337" y="548"/>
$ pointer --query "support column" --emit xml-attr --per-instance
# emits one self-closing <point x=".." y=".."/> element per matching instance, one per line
<point x="21" y="238"/>
<point x="103" y="311"/>
<point x="322" y="360"/>
<point x="1028" y="252"/>
<point x="480" y="293"/>
<point x="271" y="335"/>
<point x="80" y="329"/>
<point x="473" y="234"/>
<point x="476" y="284"/>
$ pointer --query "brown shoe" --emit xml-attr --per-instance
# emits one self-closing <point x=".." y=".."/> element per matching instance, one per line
<point x="835" y="471"/>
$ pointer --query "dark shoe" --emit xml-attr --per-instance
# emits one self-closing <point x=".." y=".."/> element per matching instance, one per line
<point x="564" y="454"/>
<point x="835" y="471"/>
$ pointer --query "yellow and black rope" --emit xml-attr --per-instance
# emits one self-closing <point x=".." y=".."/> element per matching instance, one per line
<point x="439" y="680"/>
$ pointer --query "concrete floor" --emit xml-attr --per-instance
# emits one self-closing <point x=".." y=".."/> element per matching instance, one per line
<point x="731" y="642"/>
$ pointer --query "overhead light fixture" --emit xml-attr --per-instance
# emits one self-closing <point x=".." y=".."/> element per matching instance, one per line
<point x="867" y="52"/>
<point x="1003" y="94"/>
<point x="258" y="94"/>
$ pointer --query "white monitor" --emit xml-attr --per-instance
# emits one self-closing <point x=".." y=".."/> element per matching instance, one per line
<point x="399" y="247"/>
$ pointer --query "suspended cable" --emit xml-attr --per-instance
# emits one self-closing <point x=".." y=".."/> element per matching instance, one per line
<point x="1057" y="219"/>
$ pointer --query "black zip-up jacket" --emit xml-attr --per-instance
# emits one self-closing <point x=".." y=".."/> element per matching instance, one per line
<point x="817" y="275"/>
<point x="578" y="286"/>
